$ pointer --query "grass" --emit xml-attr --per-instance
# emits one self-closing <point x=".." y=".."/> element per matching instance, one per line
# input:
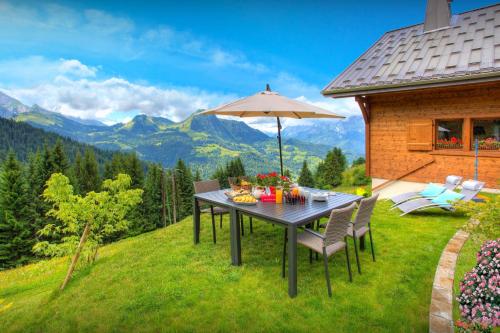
<point x="160" y="281"/>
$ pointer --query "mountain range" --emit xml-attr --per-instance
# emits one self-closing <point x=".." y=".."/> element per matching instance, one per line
<point x="203" y="141"/>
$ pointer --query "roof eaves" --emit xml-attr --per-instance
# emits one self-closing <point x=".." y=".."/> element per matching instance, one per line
<point x="412" y="85"/>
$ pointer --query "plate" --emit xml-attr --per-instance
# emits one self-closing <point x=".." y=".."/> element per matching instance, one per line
<point x="245" y="203"/>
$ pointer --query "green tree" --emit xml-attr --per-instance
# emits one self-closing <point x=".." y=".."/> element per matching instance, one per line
<point x="135" y="170"/>
<point x="197" y="175"/>
<point x="185" y="189"/>
<point x="329" y="172"/>
<point x="355" y="176"/>
<point x="152" y="198"/>
<point x="76" y="173"/>
<point x="36" y="180"/>
<point x="359" y="161"/>
<point x="15" y="233"/>
<point x="59" y="161"/>
<point x="83" y="222"/>
<point x="221" y="175"/>
<point x="88" y="176"/>
<point x="48" y="167"/>
<point x="306" y="177"/>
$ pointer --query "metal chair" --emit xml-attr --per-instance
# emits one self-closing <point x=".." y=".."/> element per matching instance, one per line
<point x="333" y="240"/>
<point x="208" y="186"/>
<point x="361" y="225"/>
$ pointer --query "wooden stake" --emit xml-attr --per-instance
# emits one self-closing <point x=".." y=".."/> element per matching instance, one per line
<point x="74" y="261"/>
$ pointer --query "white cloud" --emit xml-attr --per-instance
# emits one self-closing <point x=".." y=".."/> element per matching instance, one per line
<point x="98" y="99"/>
<point x="75" y="67"/>
<point x="34" y="70"/>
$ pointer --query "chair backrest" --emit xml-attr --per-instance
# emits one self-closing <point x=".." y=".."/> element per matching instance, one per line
<point x="469" y="194"/>
<point x="206" y="186"/>
<point x="337" y="226"/>
<point x="452" y="182"/>
<point x="365" y="211"/>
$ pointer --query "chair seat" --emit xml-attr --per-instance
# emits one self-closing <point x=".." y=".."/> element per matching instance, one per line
<point x="359" y="232"/>
<point x="316" y="244"/>
<point x="217" y="210"/>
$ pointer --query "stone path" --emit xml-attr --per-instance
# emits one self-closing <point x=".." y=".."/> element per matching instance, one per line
<point x="441" y="309"/>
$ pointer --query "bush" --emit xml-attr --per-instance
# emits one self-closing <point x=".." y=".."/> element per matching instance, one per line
<point x="485" y="217"/>
<point x="479" y="298"/>
<point x="355" y="176"/>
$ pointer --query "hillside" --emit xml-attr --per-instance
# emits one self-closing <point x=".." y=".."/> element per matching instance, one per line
<point x="160" y="282"/>
<point x="203" y="141"/>
<point x="25" y="139"/>
<point x="348" y="134"/>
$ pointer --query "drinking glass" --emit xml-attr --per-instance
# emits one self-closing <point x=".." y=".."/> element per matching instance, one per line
<point x="279" y="195"/>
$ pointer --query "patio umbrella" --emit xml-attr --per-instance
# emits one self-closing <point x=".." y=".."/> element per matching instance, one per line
<point x="271" y="104"/>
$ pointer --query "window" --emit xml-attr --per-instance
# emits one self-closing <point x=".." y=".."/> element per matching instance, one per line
<point x="487" y="133"/>
<point x="449" y="134"/>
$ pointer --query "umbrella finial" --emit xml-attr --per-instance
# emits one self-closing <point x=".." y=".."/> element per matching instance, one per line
<point x="268" y="88"/>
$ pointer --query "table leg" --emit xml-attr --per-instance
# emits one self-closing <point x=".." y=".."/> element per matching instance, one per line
<point x="196" y="221"/>
<point x="292" y="260"/>
<point x="235" y="237"/>
<point x="362" y="243"/>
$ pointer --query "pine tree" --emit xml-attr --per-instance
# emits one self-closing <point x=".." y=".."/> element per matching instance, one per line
<point x="152" y="198"/>
<point x="359" y="161"/>
<point x="108" y="170"/>
<point x="330" y="171"/>
<point x="59" y="161"/>
<point x="89" y="173"/>
<point x="306" y="177"/>
<point x="48" y="167"/>
<point x="35" y="182"/>
<point x="185" y="189"/>
<point x="135" y="171"/>
<point x="15" y="233"/>
<point x="197" y="175"/>
<point x="221" y="175"/>
<point x="77" y="173"/>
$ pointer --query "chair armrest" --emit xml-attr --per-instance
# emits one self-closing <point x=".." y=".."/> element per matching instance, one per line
<point x="317" y="234"/>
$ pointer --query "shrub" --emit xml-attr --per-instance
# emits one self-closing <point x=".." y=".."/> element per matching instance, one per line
<point x="355" y="176"/>
<point x="479" y="298"/>
<point x="485" y="217"/>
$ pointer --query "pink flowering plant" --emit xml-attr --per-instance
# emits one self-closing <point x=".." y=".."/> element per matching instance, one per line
<point x="479" y="298"/>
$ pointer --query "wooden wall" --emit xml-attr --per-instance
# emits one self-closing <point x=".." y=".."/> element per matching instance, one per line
<point x="390" y="115"/>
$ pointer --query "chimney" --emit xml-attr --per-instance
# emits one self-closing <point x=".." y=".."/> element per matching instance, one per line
<point x="437" y="14"/>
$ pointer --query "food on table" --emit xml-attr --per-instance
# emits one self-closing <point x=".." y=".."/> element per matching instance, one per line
<point x="235" y="193"/>
<point x="245" y="199"/>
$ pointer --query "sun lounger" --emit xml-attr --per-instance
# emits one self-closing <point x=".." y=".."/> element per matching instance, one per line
<point x="445" y="200"/>
<point x="431" y="191"/>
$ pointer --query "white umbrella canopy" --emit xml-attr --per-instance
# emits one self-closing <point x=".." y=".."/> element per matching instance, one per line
<point x="271" y="104"/>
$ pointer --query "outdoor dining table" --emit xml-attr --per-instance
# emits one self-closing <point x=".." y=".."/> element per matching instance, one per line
<point x="287" y="215"/>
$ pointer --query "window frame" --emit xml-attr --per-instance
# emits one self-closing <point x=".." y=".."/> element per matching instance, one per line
<point x="436" y="129"/>
<point x="472" y="133"/>
<point x="467" y="136"/>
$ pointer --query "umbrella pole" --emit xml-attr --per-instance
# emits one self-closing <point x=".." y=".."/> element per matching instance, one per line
<point x="279" y="143"/>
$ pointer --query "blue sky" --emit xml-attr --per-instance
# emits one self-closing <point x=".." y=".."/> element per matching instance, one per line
<point x="109" y="60"/>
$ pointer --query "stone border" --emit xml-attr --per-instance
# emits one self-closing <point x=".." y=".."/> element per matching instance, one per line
<point x="441" y="309"/>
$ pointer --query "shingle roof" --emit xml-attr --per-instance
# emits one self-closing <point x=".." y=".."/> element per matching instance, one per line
<point x="408" y="58"/>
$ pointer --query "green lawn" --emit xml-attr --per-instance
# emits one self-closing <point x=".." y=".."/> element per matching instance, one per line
<point x="160" y="281"/>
